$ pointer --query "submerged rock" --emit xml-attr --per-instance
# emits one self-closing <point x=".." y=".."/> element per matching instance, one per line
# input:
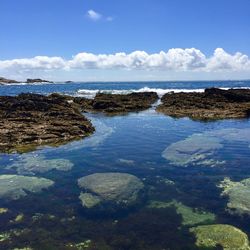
<point x="238" y="194"/>
<point x="15" y="186"/>
<point x="195" y="150"/>
<point x="226" y="236"/>
<point x="189" y="215"/>
<point x="212" y="104"/>
<point x="30" y="120"/>
<point x="31" y="164"/>
<point x="118" y="188"/>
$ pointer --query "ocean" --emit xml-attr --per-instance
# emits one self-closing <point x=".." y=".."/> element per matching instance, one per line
<point x="194" y="173"/>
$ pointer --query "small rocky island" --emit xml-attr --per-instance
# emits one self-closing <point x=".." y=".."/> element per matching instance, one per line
<point x="5" y="81"/>
<point x="212" y="104"/>
<point x="30" y="120"/>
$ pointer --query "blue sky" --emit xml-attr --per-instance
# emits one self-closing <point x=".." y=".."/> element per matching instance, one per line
<point x="67" y="28"/>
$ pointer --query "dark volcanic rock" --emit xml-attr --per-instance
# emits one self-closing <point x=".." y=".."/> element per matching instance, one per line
<point x="117" y="104"/>
<point x="38" y="80"/>
<point x="7" y="81"/>
<point x="30" y="120"/>
<point x="212" y="104"/>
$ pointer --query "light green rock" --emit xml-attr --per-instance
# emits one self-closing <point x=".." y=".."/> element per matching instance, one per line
<point x="32" y="163"/>
<point x="238" y="194"/>
<point x="189" y="215"/>
<point x="226" y="236"/>
<point x="15" y="186"/>
<point x="118" y="188"/>
<point x="195" y="150"/>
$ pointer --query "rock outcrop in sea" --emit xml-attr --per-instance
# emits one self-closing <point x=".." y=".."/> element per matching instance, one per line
<point x="212" y="104"/>
<point x="119" y="189"/>
<point x="30" y="120"/>
<point x="7" y="81"/>
<point x="117" y="103"/>
<point x="14" y="187"/>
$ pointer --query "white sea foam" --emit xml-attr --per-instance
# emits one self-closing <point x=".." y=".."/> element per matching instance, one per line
<point x="91" y="93"/>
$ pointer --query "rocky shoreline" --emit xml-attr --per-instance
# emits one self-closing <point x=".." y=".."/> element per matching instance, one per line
<point x="212" y="104"/>
<point x="31" y="120"/>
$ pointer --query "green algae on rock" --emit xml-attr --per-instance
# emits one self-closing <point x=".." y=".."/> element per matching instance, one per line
<point x="194" y="150"/>
<point x="16" y="186"/>
<point x="118" y="188"/>
<point x="238" y="194"/>
<point x="189" y="215"/>
<point x="33" y="163"/>
<point x="226" y="236"/>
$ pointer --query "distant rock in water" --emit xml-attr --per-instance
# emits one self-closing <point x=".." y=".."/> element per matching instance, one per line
<point x="7" y="81"/>
<point x="117" y="188"/>
<point x="226" y="236"/>
<point x="37" y="80"/>
<point x="31" y="164"/>
<point x="238" y="194"/>
<point x="15" y="186"/>
<point x="211" y="105"/>
<point x="30" y="120"/>
<point x="118" y="103"/>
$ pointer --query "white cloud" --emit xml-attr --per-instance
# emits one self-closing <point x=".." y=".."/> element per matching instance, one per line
<point x="93" y="15"/>
<point x="174" y="60"/>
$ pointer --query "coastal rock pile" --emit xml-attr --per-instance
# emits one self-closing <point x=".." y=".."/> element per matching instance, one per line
<point x="29" y="120"/>
<point x="115" y="188"/>
<point x="210" y="105"/>
<point x="117" y="103"/>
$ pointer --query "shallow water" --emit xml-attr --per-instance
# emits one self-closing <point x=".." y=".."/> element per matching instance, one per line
<point x="135" y="144"/>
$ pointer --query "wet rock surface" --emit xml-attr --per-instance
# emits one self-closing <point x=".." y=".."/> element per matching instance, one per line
<point x="14" y="187"/>
<point x="118" y="103"/>
<point x="117" y="188"/>
<point x="30" y="120"/>
<point x="211" y="105"/>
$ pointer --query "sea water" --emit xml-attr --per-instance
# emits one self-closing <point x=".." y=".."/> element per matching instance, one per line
<point x="167" y="154"/>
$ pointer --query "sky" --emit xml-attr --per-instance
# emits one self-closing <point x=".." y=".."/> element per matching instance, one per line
<point x="132" y="40"/>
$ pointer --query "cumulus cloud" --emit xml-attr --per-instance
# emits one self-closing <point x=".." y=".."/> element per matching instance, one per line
<point x="93" y="15"/>
<point x="176" y="60"/>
